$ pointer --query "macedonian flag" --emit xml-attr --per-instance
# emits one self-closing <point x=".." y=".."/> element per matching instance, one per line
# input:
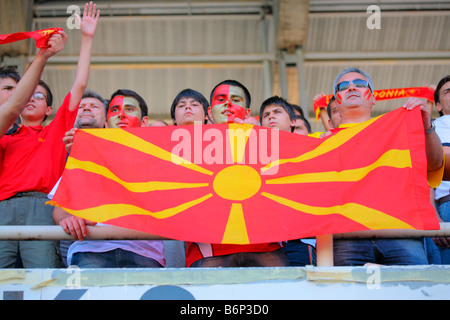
<point x="40" y="36"/>
<point x="245" y="184"/>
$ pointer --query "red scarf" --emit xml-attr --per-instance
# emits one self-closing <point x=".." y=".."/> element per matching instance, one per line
<point x="41" y="36"/>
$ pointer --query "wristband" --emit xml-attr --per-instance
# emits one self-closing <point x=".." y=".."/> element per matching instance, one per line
<point x="432" y="128"/>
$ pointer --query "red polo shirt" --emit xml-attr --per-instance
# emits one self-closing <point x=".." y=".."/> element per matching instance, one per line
<point x="197" y="251"/>
<point x="33" y="158"/>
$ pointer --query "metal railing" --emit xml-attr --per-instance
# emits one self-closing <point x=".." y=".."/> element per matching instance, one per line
<point x="324" y="242"/>
<point x="21" y="232"/>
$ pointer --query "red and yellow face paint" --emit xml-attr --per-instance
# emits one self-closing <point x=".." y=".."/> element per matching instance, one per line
<point x="338" y="98"/>
<point x="228" y="103"/>
<point x="124" y="112"/>
<point x="367" y="94"/>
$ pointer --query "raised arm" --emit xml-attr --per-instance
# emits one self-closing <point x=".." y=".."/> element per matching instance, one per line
<point x="88" y="26"/>
<point x="13" y="107"/>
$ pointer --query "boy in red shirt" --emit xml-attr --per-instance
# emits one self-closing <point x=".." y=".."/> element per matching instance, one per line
<point x="33" y="157"/>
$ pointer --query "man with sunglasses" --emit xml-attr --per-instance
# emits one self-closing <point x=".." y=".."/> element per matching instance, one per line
<point x="33" y="158"/>
<point x="353" y="90"/>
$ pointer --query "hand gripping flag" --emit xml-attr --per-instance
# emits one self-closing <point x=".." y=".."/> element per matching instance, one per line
<point x="383" y="94"/>
<point x="244" y="184"/>
<point x="41" y="36"/>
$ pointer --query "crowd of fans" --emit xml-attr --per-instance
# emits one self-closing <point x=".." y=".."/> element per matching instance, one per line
<point x="33" y="159"/>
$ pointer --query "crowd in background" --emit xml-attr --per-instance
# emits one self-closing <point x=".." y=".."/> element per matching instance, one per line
<point x="32" y="159"/>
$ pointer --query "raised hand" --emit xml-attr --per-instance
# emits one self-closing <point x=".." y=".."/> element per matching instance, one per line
<point x="412" y="103"/>
<point x="90" y="18"/>
<point x="68" y="139"/>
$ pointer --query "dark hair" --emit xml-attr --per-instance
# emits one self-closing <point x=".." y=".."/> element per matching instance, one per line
<point x="443" y="81"/>
<point x="235" y="83"/>
<point x="298" y="108"/>
<point x="95" y="95"/>
<point x="9" y="72"/>
<point x="307" y="124"/>
<point x="49" y="95"/>
<point x="189" y="93"/>
<point x="329" y="106"/>
<point x="277" y="101"/>
<point x="131" y="93"/>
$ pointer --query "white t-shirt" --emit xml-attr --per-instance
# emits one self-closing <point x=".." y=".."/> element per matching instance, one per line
<point x="153" y="249"/>
<point x="442" y="125"/>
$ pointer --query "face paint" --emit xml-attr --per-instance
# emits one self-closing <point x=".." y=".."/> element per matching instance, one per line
<point x="124" y="112"/>
<point x="228" y="103"/>
<point x="338" y="98"/>
<point x="367" y="94"/>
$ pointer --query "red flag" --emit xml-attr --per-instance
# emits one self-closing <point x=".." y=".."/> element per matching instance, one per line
<point x="241" y="184"/>
<point x="41" y="36"/>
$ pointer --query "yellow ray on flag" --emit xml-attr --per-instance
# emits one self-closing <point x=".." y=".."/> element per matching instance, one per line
<point x="238" y="136"/>
<point x="368" y="217"/>
<point x="236" y="231"/>
<point x="328" y="145"/>
<point x="89" y="166"/>
<point x="392" y="158"/>
<point x="127" y="139"/>
<point x="112" y="211"/>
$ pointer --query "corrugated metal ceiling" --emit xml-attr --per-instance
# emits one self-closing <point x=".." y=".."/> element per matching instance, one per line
<point x="411" y="48"/>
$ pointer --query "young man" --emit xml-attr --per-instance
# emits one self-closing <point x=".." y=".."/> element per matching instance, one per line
<point x="353" y="89"/>
<point x="33" y="158"/>
<point x="333" y="114"/>
<point x="442" y="197"/>
<point x="230" y="102"/>
<point x="276" y="113"/>
<point x="8" y="82"/>
<point x="188" y="107"/>
<point x="126" y="109"/>
<point x="12" y="104"/>
<point x="301" y="126"/>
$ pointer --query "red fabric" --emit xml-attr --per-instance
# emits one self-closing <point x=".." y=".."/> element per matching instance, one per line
<point x="41" y="36"/>
<point x="193" y="252"/>
<point x="33" y="158"/>
<point x="386" y="196"/>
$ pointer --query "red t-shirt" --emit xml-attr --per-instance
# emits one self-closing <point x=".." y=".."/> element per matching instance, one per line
<point x="197" y="251"/>
<point x="33" y="158"/>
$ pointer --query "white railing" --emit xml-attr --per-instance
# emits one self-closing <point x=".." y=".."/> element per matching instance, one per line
<point x="324" y="243"/>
